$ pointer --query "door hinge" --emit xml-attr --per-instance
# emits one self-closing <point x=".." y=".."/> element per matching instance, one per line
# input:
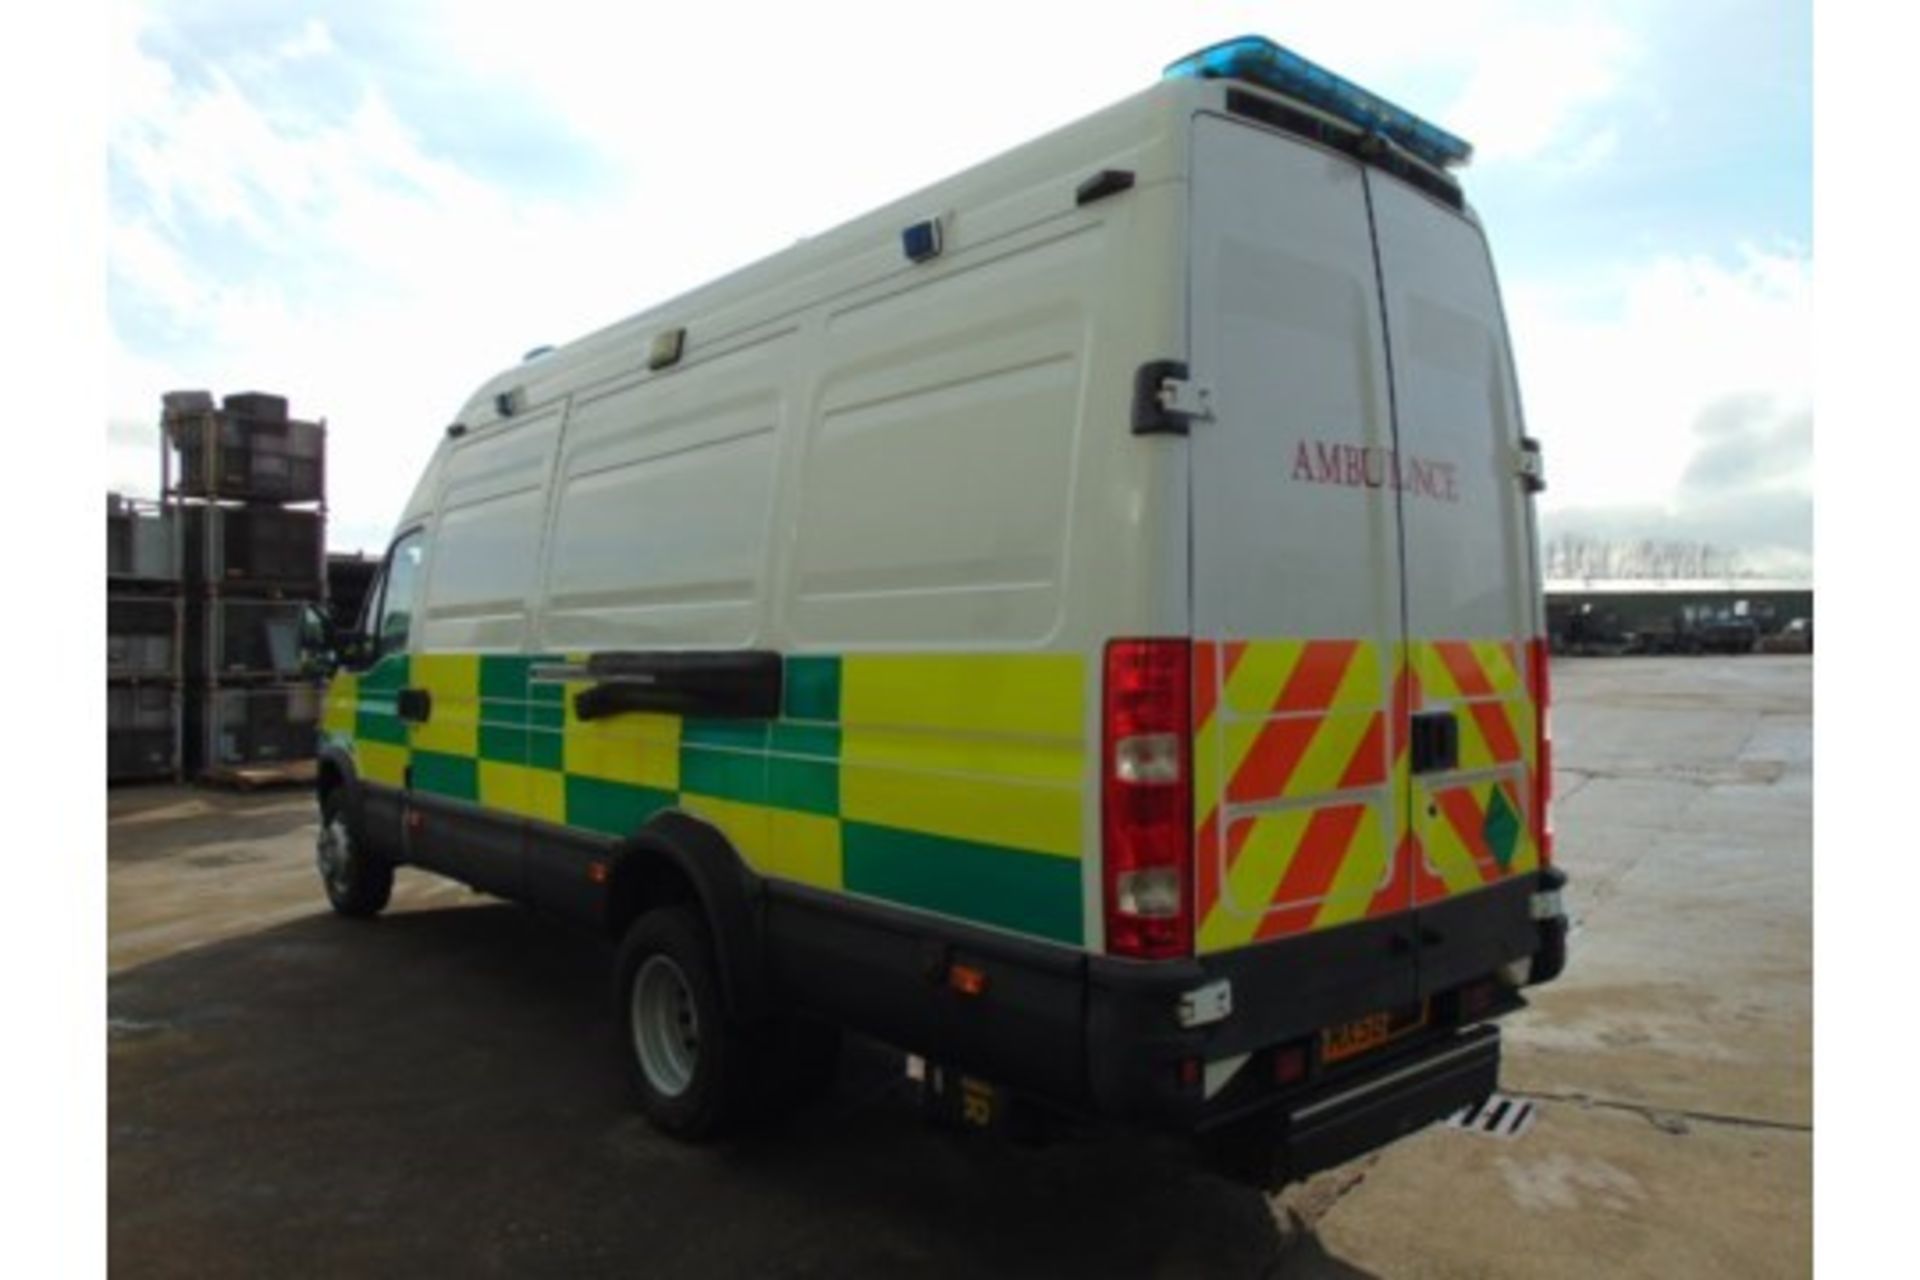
<point x="1165" y="399"/>
<point x="1529" y="465"/>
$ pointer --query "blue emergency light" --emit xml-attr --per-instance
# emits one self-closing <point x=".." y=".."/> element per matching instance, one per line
<point x="1260" y="61"/>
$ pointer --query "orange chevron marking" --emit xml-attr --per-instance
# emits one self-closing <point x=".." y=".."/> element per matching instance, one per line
<point x="1369" y="764"/>
<point x="1206" y="681"/>
<point x="1465" y="670"/>
<point x="1496" y="729"/>
<point x="1392" y="897"/>
<point x="1270" y="762"/>
<point x="1464" y="816"/>
<point x="1311" y="686"/>
<point x="1323" y="845"/>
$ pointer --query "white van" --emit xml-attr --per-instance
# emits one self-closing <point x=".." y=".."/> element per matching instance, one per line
<point x="1079" y="624"/>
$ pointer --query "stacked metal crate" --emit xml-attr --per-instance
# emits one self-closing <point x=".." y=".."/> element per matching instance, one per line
<point x="144" y="626"/>
<point x="246" y="485"/>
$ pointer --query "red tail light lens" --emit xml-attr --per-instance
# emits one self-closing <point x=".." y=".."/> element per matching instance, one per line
<point x="1147" y="798"/>
<point x="1541" y="687"/>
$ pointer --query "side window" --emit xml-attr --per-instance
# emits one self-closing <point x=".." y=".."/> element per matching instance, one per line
<point x="400" y="583"/>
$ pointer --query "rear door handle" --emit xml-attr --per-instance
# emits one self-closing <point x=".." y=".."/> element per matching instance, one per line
<point x="1435" y="745"/>
<point x="414" y="705"/>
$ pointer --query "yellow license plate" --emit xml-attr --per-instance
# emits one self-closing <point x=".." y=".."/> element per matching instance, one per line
<point x="1350" y="1039"/>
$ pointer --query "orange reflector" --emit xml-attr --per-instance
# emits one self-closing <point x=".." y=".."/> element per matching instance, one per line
<point x="597" y="872"/>
<point x="967" y="980"/>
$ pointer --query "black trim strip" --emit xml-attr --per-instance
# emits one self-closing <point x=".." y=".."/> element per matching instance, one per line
<point x="1367" y="148"/>
<point x="735" y="685"/>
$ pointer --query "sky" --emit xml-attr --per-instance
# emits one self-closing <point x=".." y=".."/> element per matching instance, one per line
<point x="372" y="207"/>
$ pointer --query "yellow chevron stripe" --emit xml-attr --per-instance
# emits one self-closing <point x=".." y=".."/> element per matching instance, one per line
<point x="1327" y="757"/>
<point x="1499" y="670"/>
<point x="1451" y="859"/>
<point x="1362" y="685"/>
<point x="1209" y="779"/>
<point x="1272" y="841"/>
<point x="1260" y="676"/>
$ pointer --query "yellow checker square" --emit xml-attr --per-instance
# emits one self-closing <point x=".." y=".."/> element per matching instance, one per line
<point x="531" y="793"/>
<point x="343" y="698"/>
<point x="381" y="762"/>
<point x="640" y="749"/>
<point x="1018" y="815"/>
<point x="1002" y="694"/>
<point x="744" y="825"/>
<point x="452" y="681"/>
<point x="804" y="847"/>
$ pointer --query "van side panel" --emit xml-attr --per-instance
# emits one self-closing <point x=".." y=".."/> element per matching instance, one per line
<point x="913" y="482"/>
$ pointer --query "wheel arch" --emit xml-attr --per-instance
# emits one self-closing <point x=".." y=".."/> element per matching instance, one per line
<point x="679" y="858"/>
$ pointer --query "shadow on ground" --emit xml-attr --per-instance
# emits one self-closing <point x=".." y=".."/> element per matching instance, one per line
<point x="439" y="1093"/>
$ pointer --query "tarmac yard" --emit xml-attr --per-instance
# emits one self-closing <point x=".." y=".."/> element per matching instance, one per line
<point x="439" y="1092"/>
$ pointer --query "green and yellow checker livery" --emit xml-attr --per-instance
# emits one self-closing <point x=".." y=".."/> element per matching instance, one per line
<point x="947" y="783"/>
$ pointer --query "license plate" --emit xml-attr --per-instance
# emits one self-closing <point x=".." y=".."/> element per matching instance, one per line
<point x="1350" y="1039"/>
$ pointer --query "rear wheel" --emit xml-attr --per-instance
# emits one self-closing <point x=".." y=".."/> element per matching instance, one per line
<point x="358" y="882"/>
<point x="687" y="1059"/>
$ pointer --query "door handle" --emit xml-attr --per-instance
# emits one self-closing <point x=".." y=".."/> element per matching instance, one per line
<point x="414" y="705"/>
<point x="1435" y="745"/>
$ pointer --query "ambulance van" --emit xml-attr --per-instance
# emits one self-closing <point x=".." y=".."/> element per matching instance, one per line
<point x="1080" y="625"/>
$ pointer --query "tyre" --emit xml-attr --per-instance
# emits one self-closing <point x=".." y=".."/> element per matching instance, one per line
<point x="358" y="881"/>
<point x="688" y="1061"/>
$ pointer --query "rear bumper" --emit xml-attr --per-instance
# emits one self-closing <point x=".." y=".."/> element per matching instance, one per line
<point x="1325" y="1127"/>
<point x="1287" y="992"/>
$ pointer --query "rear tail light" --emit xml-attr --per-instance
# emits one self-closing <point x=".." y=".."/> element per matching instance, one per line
<point x="1542" y="690"/>
<point x="1147" y="798"/>
<point x="1290" y="1064"/>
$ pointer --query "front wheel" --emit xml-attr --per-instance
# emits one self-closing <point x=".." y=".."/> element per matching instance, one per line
<point x="358" y="882"/>
<point x="688" y="1061"/>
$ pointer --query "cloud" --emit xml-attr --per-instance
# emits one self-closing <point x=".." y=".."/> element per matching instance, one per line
<point x="1535" y="90"/>
<point x="374" y="212"/>
<point x="1747" y="443"/>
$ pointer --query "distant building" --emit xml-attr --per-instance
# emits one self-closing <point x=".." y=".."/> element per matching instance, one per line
<point x="1600" y="612"/>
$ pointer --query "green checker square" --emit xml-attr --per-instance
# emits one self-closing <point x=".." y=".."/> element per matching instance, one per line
<point x="546" y="750"/>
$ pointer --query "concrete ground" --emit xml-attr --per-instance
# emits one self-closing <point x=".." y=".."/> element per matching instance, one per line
<point x="438" y="1092"/>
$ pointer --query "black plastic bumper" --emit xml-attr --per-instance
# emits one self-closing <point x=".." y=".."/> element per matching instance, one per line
<point x="1332" y="1125"/>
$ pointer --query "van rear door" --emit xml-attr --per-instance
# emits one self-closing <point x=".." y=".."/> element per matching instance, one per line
<point x="1472" y="600"/>
<point x="1296" y="568"/>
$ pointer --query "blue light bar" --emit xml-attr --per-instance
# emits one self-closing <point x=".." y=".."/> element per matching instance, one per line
<point x="1260" y="61"/>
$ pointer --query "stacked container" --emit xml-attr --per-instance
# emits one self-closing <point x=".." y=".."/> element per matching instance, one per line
<point x="247" y="487"/>
<point x="144" y="640"/>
